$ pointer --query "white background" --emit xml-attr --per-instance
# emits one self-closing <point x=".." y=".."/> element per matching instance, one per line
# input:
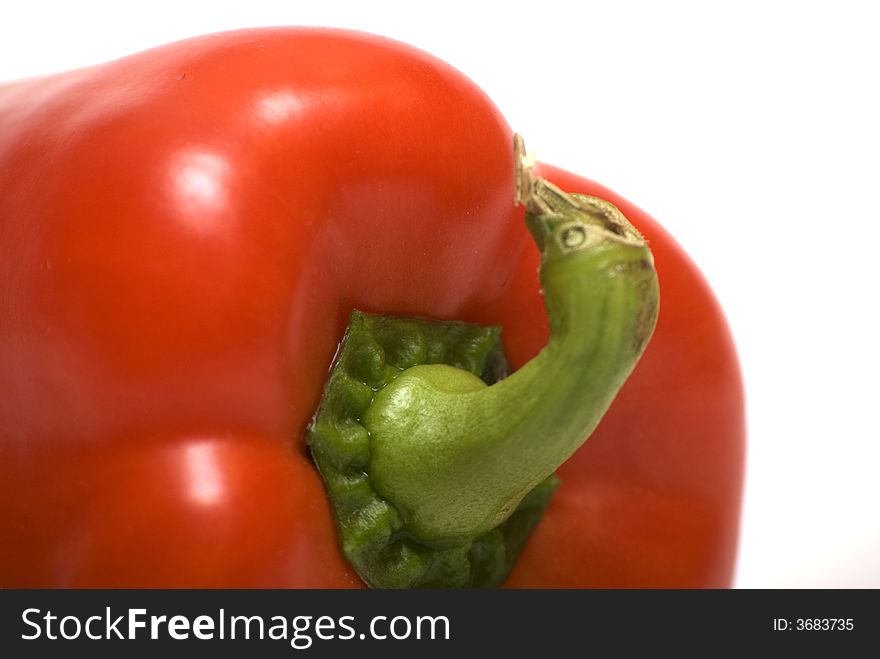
<point x="752" y="132"/>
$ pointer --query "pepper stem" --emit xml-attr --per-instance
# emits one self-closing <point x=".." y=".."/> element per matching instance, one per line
<point x="453" y="458"/>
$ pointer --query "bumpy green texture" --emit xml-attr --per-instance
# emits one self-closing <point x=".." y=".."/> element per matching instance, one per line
<point x="375" y="537"/>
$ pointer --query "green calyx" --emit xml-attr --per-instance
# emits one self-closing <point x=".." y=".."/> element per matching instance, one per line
<point x="375" y="351"/>
<point x="437" y="465"/>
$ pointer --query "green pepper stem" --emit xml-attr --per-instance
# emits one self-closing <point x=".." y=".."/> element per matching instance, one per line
<point x="456" y="457"/>
<point x="438" y="468"/>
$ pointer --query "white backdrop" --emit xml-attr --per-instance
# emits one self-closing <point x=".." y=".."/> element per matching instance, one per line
<point x="751" y="132"/>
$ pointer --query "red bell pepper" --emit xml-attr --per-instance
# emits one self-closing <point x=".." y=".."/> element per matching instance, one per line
<point x="183" y="236"/>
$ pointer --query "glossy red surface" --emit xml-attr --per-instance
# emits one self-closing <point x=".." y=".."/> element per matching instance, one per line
<point x="183" y="233"/>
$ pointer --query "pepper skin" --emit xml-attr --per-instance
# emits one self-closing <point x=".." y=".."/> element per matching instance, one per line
<point x="183" y="234"/>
